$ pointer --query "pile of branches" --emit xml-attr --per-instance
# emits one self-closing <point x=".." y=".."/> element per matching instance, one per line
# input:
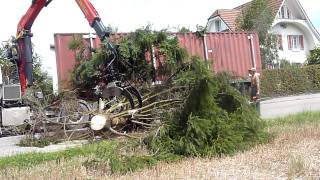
<point x="193" y="113"/>
<point x="66" y="117"/>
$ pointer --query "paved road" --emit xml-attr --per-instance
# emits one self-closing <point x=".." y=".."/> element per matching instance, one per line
<point x="8" y="146"/>
<point x="280" y="107"/>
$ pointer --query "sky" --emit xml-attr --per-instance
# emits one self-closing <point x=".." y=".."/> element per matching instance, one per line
<point x="64" y="16"/>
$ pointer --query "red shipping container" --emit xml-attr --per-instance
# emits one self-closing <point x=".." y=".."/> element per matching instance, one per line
<point x="234" y="52"/>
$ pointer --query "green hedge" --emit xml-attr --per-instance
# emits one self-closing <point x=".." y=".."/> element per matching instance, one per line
<point x="290" y="81"/>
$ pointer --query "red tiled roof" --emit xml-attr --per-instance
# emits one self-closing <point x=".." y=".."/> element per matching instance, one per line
<point x="229" y="16"/>
<point x="243" y="6"/>
<point x="273" y="4"/>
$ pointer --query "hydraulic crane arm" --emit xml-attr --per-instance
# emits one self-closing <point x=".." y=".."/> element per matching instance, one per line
<point x="24" y="43"/>
<point x="24" y="35"/>
<point x="27" y="20"/>
<point x="93" y="18"/>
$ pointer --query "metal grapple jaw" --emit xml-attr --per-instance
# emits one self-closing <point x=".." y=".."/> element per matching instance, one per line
<point x="116" y="93"/>
<point x="116" y="98"/>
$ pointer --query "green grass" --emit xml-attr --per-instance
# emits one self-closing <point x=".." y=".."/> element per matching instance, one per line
<point x="32" y="159"/>
<point x="298" y="119"/>
<point x="120" y="156"/>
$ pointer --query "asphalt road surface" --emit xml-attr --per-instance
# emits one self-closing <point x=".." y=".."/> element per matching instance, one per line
<point x="284" y="106"/>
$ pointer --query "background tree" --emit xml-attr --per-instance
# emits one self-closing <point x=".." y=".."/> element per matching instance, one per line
<point x="269" y="50"/>
<point x="258" y="17"/>
<point x="184" y="30"/>
<point x="79" y="48"/>
<point x="136" y="58"/>
<point x="42" y="80"/>
<point x="137" y="50"/>
<point x="112" y="29"/>
<point x="7" y="67"/>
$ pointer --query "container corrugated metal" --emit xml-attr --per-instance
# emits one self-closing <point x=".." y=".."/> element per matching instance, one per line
<point x="65" y="58"/>
<point x="230" y="51"/>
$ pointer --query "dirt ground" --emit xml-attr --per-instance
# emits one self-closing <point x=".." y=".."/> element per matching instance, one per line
<point x="294" y="154"/>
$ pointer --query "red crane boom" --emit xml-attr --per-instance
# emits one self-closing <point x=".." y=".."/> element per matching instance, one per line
<point x="24" y="35"/>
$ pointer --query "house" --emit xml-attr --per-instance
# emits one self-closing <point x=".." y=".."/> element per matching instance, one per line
<point x="296" y="34"/>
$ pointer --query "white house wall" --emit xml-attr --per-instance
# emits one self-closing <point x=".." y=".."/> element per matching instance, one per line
<point x="297" y="25"/>
<point x="294" y="56"/>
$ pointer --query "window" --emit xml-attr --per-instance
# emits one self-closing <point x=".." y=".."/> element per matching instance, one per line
<point x="288" y="14"/>
<point x="281" y="15"/>
<point x="295" y="42"/>
<point x="284" y="13"/>
<point x="218" y="25"/>
<point x="279" y="42"/>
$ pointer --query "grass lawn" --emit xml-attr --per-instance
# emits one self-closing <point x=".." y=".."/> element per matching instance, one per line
<point x="293" y="153"/>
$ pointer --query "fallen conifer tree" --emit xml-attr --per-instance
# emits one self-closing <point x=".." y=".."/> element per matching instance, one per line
<point x="194" y="112"/>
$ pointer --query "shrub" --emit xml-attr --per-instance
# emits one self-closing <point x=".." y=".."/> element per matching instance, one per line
<point x="314" y="57"/>
<point x="290" y="81"/>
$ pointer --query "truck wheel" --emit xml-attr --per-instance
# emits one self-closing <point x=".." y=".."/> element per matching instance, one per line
<point x="76" y="116"/>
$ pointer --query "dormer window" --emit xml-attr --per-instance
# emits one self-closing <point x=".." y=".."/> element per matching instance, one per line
<point x="285" y="12"/>
<point x="217" y="24"/>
